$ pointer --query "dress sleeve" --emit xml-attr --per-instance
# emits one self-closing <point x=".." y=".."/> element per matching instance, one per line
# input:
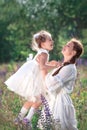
<point x="56" y="82"/>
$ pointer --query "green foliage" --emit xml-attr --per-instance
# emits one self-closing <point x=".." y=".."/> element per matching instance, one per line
<point x="80" y="98"/>
<point x="35" y="122"/>
<point x="80" y="102"/>
<point x="20" y="19"/>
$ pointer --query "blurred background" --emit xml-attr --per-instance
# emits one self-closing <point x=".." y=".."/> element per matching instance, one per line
<point x="19" y="20"/>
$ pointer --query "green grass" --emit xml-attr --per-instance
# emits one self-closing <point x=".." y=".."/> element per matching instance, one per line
<point x="11" y="103"/>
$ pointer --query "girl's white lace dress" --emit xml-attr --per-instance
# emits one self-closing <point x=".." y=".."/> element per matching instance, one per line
<point x="28" y="81"/>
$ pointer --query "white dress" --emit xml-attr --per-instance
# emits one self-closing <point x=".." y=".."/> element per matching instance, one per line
<point x="28" y="81"/>
<point x="59" y="87"/>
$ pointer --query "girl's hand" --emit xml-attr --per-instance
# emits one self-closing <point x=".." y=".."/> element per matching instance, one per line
<point x="54" y="63"/>
<point x="59" y="63"/>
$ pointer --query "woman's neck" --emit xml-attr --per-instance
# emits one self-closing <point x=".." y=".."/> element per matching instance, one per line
<point x="67" y="59"/>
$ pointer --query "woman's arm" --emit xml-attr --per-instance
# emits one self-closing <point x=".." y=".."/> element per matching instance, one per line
<point x="65" y="75"/>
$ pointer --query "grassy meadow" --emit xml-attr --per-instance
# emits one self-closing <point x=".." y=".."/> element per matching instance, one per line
<point x="11" y="103"/>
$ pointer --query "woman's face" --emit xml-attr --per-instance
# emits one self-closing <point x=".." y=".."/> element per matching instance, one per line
<point x="68" y="49"/>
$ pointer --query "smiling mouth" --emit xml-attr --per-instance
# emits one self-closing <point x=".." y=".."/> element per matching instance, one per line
<point x="51" y="45"/>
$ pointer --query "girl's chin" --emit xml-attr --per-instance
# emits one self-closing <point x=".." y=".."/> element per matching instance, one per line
<point x="51" y="48"/>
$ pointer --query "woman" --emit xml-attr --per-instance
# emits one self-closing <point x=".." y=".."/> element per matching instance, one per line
<point x="60" y="84"/>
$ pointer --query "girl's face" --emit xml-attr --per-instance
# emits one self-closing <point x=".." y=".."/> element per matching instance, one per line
<point x="48" y="44"/>
<point x="68" y="49"/>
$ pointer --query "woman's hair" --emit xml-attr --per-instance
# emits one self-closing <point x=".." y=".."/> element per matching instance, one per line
<point x="38" y="38"/>
<point x="78" y="47"/>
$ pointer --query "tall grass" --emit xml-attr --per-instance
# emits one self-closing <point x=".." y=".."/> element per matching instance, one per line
<point x="11" y="103"/>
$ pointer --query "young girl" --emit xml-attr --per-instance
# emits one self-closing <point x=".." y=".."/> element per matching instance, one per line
<point x="28" y="80"/>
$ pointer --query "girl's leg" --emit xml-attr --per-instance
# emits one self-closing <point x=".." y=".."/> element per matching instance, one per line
<point x="25" y="108"/>
<point x="31" y="112"/>
<point x="23" y="112"/>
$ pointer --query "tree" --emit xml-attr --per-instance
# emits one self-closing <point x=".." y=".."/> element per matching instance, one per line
<point x="20" y="19"/>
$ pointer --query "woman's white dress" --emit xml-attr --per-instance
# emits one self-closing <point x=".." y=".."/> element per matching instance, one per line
<point x="59" y="87"/>
<point x="28" y="81"/>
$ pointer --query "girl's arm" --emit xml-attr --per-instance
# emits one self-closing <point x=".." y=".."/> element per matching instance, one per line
<point x="44" y="64"/>
<point x="54" y="63"/>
